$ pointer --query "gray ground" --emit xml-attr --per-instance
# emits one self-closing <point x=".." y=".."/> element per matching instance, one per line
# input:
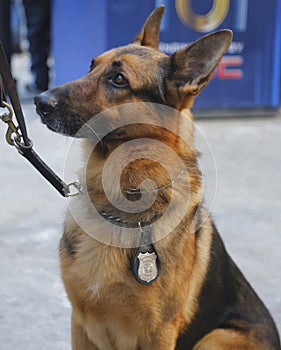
<point x="34" y="310"/>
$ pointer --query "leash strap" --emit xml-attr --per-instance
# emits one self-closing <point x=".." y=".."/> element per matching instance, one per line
<point x="12" y="93"/>
<point x="17" y="135"/>
<point x="2" y="93"/>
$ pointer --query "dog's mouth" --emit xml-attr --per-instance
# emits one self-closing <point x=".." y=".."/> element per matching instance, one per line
<point x="57" y="120"/>
<point x="52" y="115"/>
<point x="50" y="125"/>
<point x="45" y="112"/>
<point x="53" y="123"/>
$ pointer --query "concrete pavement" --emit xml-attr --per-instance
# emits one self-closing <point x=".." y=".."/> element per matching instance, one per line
<point x="34" y="310"/>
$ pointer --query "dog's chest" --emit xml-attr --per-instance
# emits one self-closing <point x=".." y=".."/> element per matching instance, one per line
<point x="110" y="335"/>
<point x="116" y="320"/>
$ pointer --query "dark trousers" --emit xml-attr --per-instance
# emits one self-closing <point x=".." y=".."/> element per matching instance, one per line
<point x="5" y="30"/>
<point x="38" y="33"/>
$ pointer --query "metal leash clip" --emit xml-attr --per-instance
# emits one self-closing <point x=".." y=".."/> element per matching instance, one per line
<point x="76" y="185"/>
<point x="13" y="132"/>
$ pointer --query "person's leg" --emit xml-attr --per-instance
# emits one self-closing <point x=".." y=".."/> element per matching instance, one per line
<point x="38" y="33"/>
<point x="5" y="31"/>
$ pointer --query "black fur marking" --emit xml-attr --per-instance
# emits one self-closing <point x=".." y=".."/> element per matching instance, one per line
<point x="139" y="51"/>
<point x="213" y="300"/>
<point x="92" y="65"/>
<point x="117" y="63"/>
<point x="154" y="92"/>
<point x="149" y="94"/>
<point x="227" y="301"/>
<point x="68" y="243"/>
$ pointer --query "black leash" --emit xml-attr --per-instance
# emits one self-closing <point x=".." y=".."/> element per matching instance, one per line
<point x="17" y="134"/>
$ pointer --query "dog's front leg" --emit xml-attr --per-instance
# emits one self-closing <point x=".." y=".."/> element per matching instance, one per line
<point x="79" y="338"/>
<point x="164" y="339"/>
<point x="159" y="344"/>
<point x="92" y="336"/>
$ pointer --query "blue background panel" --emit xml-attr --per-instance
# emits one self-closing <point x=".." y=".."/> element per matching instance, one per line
<point x="249" y="75"/>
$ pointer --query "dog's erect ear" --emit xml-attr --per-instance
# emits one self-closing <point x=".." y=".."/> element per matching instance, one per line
<point x="191" y="67"/>
<point x="149" y="35"/>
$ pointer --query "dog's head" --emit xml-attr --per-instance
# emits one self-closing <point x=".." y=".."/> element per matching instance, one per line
<point x="137" y="72"/>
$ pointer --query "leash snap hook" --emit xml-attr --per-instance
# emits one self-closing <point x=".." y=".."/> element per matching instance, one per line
<point x="12" y="128"/>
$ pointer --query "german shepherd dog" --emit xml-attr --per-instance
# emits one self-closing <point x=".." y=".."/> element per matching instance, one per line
<point x="179" y="292"/>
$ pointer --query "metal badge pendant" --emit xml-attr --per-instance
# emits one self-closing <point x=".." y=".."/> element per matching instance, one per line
<point x="147" y="271"/>
<point x="145" y="263"/>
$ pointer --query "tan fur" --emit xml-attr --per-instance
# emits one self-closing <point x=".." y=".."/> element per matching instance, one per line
<point x="110" y="309"/>
<point x="222" y="339"/>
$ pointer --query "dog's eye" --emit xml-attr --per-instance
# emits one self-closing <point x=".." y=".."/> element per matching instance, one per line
<point x="119" y="80"/>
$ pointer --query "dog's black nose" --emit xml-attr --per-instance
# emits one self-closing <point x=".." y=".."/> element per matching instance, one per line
<point x="46" y="103"/>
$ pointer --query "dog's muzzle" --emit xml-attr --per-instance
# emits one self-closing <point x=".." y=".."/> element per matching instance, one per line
<point x="58" y="117"/>
<point x="49" y="110"/>
<point x="46" y="104"/>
